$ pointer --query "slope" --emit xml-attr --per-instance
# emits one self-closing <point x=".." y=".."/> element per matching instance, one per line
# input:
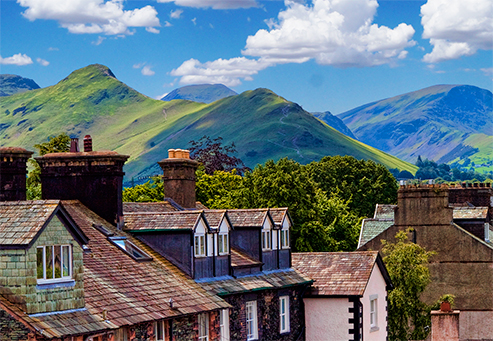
<point x="205" y="93"/>
<point x="445" y="123"/>
<point x="12" y="84"/>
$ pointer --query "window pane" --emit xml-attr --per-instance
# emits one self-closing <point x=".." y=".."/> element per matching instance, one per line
<point x="66" y="260"/>
<point x="58" y="261"/>
<point x="39" y="262"/>
<point x="220" y="242"/>
<point x="196" y="245"/>
<point x="226" y="244"/>
<point x="49" y="262"/>
<point x="202" y="245"/>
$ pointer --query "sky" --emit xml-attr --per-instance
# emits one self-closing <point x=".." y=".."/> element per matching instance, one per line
<point x="325" y="55"/>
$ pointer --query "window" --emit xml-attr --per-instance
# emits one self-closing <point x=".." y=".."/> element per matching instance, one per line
<point x="266" y="241"/>
<point x="223" y="244"/>
<point x="224" y="324"/>
<point x="130" y="248"/>
<point x="284" y="239"/>
<point x="373" y="312"/>
<point x="251" y="320"/>
<point x="54" y="263"/>
<point x="199" y="245"/>
<point x="203" y="327"/>
<point x="284" y="314"/>
<point x="161" y="330"/>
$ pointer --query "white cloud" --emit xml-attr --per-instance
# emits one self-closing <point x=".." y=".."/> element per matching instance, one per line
<point x="194" y="20"/>
<point x="42" y="62"/>
<point x="333" y="32"/>
<point x="176" y="14"/>
<point x="167" y="24"/>
<point x="53" y="49"/>
<point x="99" y="41"/>
<point x="229" y="72"/>
<point x="214" y="4"/>
<point x="457" y="28"/>
<point x="91" y="16"/>
<point x="152" y="30"/>
<point x="161" y="96"/>
<point x="17" y="59"/>
<point x="488" y="72"/>
<point x="138" y="66"/>
<point x="146" y="71"/>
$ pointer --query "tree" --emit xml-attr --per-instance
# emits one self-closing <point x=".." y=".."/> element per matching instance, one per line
<point x="55" y="144"/>
<point x="151" y="191"/>
<point x="215" y="191"/>
<point x="407" y="264"/>
<point x="216" y="157"/>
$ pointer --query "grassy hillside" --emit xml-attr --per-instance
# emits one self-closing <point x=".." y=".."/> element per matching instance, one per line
<point x="204" y="93"/>
<point x="92" y="101"/>
<point x="445" y="123"/>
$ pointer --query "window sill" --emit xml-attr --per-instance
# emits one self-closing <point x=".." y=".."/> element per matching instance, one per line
<point x="63" y="283"/>
<point x="374" y="329"/>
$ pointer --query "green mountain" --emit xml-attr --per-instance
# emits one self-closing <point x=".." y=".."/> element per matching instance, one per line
<point x="12" y="84"/>
<point x="204" y="93"/>
<point x="444" y="123"/>
<point x="92" y="101"/>
<point x="335" y="122"/>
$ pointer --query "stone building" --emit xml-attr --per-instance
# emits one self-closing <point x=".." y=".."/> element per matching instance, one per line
<point x="455" y="222"/>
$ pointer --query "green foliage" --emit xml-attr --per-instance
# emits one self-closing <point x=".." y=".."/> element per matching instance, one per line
<point x="214" y="191"/>
<point x="151" y="191"/>
<point x="407" y="264"/>
<point x="55" y="144"/>
<point x="431" y="170"/>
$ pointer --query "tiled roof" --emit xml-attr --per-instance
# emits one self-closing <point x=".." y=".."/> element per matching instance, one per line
<point x="470" y="212"/>
<point x="336" y="273"/>
<point x="278" y="214"/>
<point x="161" y="206"/>
<point x="263" y="280"/>
<point x="240" y="259"/>
<point x="145" y="221"/>
<point x="21" y="221"/>
<point x="384" y="211"/>
<point x="57" y="325"/>
<point x="214" y="217"/>
<point x="130" y="291"/>
<point x="248" y="217"/>
<point x="370" y="228"/>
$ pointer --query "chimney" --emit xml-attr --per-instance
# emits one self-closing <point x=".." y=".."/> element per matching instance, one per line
<point x="179" y="177"/>
<point x="423" y="205"/>
<point x="87" y="143"/>
<point x="94" y="178"/>
<point x="13" y="172"/>
<point x="74" y="145"/>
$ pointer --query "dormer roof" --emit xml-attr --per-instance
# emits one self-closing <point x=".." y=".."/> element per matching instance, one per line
<point x="163" y="221"/>
<point x="279" y="216"/>
<point x="216" y="217"/>
<point x="21" y="222"/>
<point x="249" y="218"/>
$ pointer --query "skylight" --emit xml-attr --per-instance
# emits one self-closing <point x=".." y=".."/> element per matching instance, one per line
<point x="130" y="248"/>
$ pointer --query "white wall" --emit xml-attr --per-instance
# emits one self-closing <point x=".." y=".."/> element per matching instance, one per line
<point x="327" y="319"/>
<point x="376" y="286"/>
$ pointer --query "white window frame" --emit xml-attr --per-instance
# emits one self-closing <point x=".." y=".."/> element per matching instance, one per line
<point x="223" y="243"/>
<point x="251" y="320"/>
<point x="374" y="312"/>
<point x="224" y="324"/>
<point x="266" y="240"/>
<point x="162" y="327"/>
<point x="284" y="323"/>
<point x="199" y="246"/>
<point x="51" y="248"/>
<point x="203" y="329"/>
<point x="285" y="239"/>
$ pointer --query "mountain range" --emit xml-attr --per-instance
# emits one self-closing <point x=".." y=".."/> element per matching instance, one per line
<point x="444" y="123"/>
<point x="12" y="84"/>
<point x="204" y="93"/>
<point x="93" y="101"/>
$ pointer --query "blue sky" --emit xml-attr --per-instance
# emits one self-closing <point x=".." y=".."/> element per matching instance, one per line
<point x="323" y="54"/>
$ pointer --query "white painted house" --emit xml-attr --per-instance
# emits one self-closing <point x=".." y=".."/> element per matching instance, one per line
<point x="348" y="300"/>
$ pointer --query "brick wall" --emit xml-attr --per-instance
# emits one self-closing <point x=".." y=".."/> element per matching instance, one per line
<point x="18" y="278"/>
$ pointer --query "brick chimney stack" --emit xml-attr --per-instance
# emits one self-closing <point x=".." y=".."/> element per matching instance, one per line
<point x="179" y="177"/>
<point x="93" y="177"/>
<point x="13" y="172"/>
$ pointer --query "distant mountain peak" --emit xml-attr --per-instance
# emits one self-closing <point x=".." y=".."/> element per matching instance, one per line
<point x="91" y="72"/>
<point x="205" y="93"/>
<point x="12" y="84"/>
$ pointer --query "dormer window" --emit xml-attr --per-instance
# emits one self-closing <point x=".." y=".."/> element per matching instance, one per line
<point x="199" y="245"/>
<point x="54" y="263"/>
<point x="266" y="240"/>
<point x="284" y="239"/>
<point x="223" y="241"/>
<point x="130" y="248"/>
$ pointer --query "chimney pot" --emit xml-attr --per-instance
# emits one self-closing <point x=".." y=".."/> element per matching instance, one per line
<point x="87" y="143"/>
<point x="74" y="145"/>
<point x="171" y="153"/>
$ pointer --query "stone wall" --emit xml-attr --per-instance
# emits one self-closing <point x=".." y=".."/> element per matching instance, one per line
<point x="18" y="278"/>
<point x="11" y="329"/>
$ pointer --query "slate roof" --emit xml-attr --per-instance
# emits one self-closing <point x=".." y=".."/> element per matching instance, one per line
<point x="370" y="228"/>
<point x="336" y="273"/>
<point x="278" y="215"/>
<point x="248" y="217"/>
<point x="131" y="291"/>
<point x="240" y="259"/>
<point x="215" y="217"/>
<point x="148" y="221"/>
<point x="384" y="211"/>
<point x="161" y="206"/>
<point x="470" y="212"/>
<point x="276" y="279"/>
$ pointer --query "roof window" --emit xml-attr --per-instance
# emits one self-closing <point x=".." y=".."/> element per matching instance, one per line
<point x="130" y="248"/>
